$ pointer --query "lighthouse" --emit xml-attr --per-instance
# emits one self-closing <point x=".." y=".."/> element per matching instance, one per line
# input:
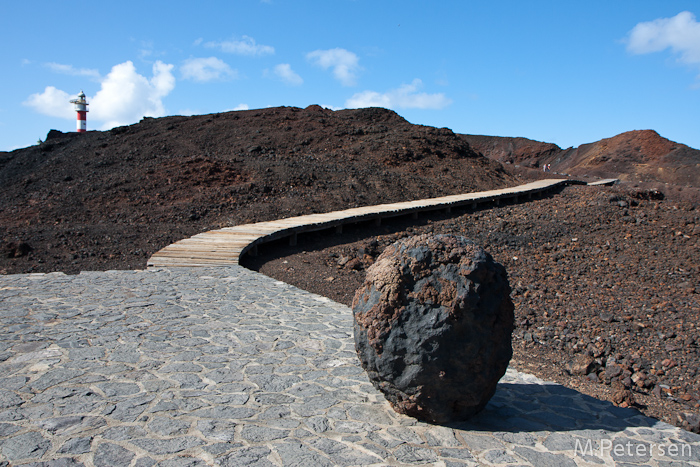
<point x="81" y="108"/>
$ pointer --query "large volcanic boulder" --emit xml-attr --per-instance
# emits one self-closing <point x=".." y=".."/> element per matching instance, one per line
<point x="433" y="324"/>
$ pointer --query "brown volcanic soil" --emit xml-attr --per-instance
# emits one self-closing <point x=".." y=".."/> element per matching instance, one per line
<point x="602" y="277"/>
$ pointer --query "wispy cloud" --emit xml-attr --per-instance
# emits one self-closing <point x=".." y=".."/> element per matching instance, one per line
<point x="345" y="64"/>
<point x="406" y="96"/>
<point x="284" y="72"/>
<point x="680" y="33"/>
<point x="124" y="97"/>
<point x="245" y="46"/>
<point x="203" y="70"/>
<point x="72" y="71"/>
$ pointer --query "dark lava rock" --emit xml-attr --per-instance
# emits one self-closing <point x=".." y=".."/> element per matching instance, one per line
<point x="690" y="421"/>
<point x="433" y="325"/>
<point x="17" y="249"/>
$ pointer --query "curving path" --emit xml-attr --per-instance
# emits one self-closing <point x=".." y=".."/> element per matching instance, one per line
<point x="226" y="246"/>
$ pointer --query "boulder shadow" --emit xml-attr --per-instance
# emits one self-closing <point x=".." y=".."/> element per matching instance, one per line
<point x="542" y="406"/>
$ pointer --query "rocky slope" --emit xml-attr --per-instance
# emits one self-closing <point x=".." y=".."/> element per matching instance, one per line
<point x="641" y="156"/>
<point x="518" y="151"/>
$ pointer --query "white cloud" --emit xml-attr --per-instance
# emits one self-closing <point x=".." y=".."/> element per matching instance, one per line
<point x="405" y="97"/>
<point x="681" y="34"/>
<point x="241" y="107"/>
<point x="246" y="46"/>
<point x="285" y="73"/>
<point x="70" y="70"/>
<point x="344" y="63"/>
<point x="124" y="97"/>
<point x="206" y="69"/>
<point x="52" y="102"/>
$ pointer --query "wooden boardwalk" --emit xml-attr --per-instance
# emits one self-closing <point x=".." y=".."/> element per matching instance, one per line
<point x="604" y="182"/>
<point x="224" y="247"/>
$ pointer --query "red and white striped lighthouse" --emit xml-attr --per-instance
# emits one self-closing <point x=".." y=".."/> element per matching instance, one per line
<point x="81" y="107"/>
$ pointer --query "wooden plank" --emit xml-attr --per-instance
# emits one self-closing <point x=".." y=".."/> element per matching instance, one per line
<point x="604" y="182"/>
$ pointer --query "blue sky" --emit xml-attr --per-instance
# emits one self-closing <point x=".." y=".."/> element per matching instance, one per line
<point x="563" y="72"/>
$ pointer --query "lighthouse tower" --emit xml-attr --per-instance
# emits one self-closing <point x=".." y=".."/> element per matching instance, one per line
<point x="81" y="107"/>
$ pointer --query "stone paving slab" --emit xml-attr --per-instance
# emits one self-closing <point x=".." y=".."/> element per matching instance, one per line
<point x="227" y="367"/>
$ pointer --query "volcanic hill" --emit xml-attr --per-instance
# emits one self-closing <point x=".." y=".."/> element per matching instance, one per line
<point x="635" y="156"/>
<point x="110" y="199"/>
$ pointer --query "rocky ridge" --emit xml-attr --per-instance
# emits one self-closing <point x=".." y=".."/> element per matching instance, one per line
<point x="640" y="156"/>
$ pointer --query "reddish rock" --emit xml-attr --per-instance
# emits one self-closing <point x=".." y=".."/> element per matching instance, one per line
<point x="581" y="365"/>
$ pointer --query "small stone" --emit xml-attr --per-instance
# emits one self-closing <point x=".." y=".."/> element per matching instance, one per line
<point x="257" y="434"/>
<point x="689" y="421"/>
<point x="27" y="445"/>
<point x="76" y="446"/>
<point x="9" y="399"/>
<point x="109" y="455"/>
<point x="613" y="370"/>
<point x="17" y="249"/>
<point x="220" y="430"/>
<point x="167" y="427"/>
<point x="414" y="455"/>
<point x="623" y="397"/>
<point x="581" y="365"/>
<point x="166" y="446"/>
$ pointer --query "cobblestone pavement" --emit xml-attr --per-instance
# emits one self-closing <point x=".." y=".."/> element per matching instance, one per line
<point x="224" y="366"/>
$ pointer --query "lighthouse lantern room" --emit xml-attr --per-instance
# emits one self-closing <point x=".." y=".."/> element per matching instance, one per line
<point x="81" y="108"/>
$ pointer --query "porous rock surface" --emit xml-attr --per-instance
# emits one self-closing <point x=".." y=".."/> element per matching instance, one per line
<point x="433" y="323"/>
